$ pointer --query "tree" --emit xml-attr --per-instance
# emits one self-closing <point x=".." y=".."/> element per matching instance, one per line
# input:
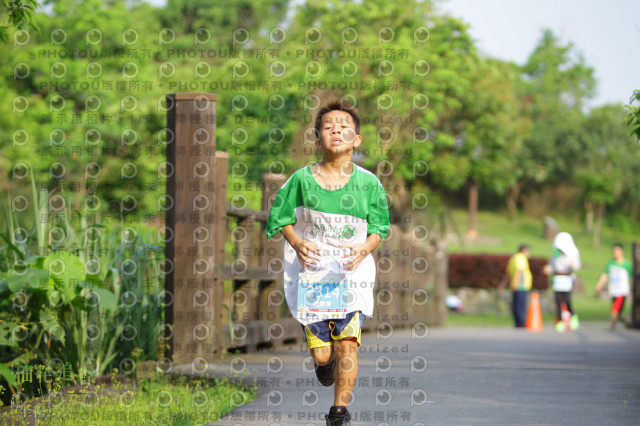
<point x="19" y="15"/>
<point x="224" y="24"/>
<point x="557" y="82"/>
<point x="493" y="132"/>
<point x="74" y="134"/>
<point x="408" y="70"/>
<point x="608" y="165"/>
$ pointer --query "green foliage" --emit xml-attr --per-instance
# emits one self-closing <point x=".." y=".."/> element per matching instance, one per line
<point x="493" y="129"/>
<point x="81" y="293"/>
<point x="557" y="82"/>
<point x="436" y="115"/>
<point x="160" y="399"/>
<point x="220" y="20"/>
<point x="633" y="118"/>
<point x="607" y="168"/>
<point x="19" y="14"/>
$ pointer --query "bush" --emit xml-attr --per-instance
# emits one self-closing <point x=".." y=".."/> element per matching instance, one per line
<point x="487" y="271"/>
<point x="78" y="297"/>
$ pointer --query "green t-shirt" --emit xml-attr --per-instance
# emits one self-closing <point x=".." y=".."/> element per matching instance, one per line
<point x="619" y="277"/>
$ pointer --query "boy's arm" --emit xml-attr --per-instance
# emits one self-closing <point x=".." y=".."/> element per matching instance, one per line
<point x="360" y="251"/>
<point x="601" y="282"/>
<point x="308" y="253"/>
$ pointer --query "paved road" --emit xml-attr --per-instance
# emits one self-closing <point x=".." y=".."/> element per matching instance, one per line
<point x="460" y="376"/>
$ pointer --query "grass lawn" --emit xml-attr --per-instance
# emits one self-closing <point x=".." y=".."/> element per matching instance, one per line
<point x="158" y="400"/>
<point x="588" y="308"/>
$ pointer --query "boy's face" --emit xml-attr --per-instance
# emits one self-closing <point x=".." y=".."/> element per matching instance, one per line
<point x="338" y="133"/>
<point x="618" y="253"/>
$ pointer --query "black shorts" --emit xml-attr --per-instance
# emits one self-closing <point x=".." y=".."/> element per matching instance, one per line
<point x="324" y="333"/>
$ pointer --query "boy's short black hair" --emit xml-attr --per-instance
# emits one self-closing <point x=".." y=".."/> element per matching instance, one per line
<point x="337" y="106"/>
<point x="523" y="246"/>
<point x="619" y="245"/>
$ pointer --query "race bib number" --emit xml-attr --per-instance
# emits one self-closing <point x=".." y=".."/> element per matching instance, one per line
<point x="322" y="296"/>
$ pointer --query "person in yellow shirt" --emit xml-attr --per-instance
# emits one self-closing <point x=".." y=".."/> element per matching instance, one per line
<point x="518" y="275"/>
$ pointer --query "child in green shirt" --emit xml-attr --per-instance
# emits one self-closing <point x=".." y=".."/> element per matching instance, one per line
<point x="332" y="214"/>
<point x="617" y="273"/>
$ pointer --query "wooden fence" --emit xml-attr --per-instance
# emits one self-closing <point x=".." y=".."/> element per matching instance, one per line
<point x="224" y="279"/>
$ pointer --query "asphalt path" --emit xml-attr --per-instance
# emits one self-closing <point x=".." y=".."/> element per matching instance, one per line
<point x="456" y="376"/>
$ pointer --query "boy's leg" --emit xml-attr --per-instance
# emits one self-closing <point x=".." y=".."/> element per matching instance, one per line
<point x="616" y="308"/>
<point x="346" y="372"/>
<point x="320" y="346"/>
<point x="346" y="335"/>
<point x="319" y="342"/>
<point x="322" y="355"/>
<point x="325" y="364"/>
<point x="621" y="316"/>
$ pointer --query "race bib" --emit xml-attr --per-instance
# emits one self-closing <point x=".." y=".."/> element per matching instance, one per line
<point x="322" y="296"/>
<point x="562" y="282"/>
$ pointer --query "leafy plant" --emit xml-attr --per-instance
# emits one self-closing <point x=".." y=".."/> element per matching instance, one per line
<point x="633" y="119"/>
<point x="19" y="15"/>
<point x="87" y="296"/>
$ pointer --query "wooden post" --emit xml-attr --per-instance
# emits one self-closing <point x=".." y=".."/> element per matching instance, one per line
<point x="472" y="232"/>
<point x="418" y="271"/>
<point x="271" y="292"/>
<point x="191" y="148"/>
<point x="221" y="339"/>
<point x="441" y="282"/>
<point x="244" y="297"/>
<point x="635" y="296"/>
<point x="402" y="272"/>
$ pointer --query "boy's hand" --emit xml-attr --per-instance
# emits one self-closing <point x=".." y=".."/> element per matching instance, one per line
<point x="357" y="253"/>
<point x="308" y="253"/>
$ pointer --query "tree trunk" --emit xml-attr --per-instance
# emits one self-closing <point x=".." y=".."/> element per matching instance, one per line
<point x="588" y="206"/>
<point x="597" y="230"/>
<point x="512" y="201"/>
<point x="472" y="232"/>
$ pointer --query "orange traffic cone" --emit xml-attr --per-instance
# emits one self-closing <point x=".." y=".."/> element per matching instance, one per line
<point x="534" y="315"/>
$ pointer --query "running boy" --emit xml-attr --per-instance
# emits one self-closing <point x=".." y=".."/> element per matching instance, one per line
<point x="618" y="272"/>
<point x="332" y="214"/>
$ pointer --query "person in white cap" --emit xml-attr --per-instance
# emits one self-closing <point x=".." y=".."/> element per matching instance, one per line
<point x="564" y="261"/>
